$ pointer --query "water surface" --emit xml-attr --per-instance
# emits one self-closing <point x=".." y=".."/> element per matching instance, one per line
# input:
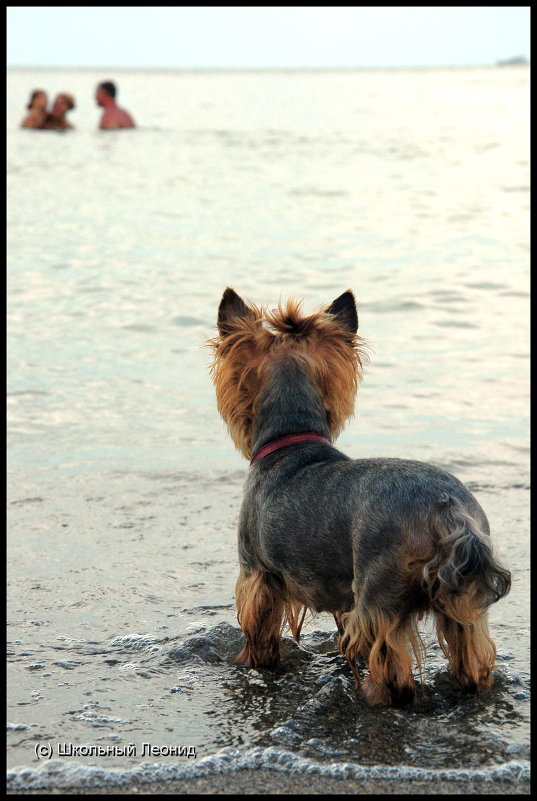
<point x="410" y="187"/>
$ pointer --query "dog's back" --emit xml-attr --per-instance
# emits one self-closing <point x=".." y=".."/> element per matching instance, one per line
<point x="321" y="522"/>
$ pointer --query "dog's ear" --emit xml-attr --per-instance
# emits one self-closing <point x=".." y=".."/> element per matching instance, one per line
<point x="344" y="308"/>
<point x="231" y="311"/>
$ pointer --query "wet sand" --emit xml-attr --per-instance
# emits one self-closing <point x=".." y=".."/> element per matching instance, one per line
<point x="271" y="782"/>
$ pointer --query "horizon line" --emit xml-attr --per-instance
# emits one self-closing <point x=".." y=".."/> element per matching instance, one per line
<point x="521" y="61"/>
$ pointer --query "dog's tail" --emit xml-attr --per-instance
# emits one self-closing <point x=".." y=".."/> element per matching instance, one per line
<point x="463" y="578"/>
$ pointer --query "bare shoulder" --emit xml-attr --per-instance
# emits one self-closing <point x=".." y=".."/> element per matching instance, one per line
<point x="35" y="119"/>
<point x="126" y="120"/>
<point x="116" y="118"/>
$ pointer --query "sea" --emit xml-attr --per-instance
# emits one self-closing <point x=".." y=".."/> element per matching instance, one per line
<point x="410" y="187"/>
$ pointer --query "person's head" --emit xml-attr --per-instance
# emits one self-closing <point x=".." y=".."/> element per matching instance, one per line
<point x="38" y="99"/>
<point x="105" y="93"/>
<point x="63" y="103"/>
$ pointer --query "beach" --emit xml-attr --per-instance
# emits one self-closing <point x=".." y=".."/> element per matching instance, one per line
<point x="409" y="187"/>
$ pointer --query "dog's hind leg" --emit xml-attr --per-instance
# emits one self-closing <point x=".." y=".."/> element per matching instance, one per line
<point x="462" y="580"/>
<point x="260" y="612"/>
<point x="382" y="630"/>
<point x="391" y="679"/>
<point x="469" y="649"/>
<point x="386" y="643"/>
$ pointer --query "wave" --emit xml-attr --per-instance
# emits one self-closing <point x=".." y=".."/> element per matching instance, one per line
<point x="61" y="775"/>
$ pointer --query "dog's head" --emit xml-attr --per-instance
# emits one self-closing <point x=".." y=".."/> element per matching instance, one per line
<point x="252" y="340"/>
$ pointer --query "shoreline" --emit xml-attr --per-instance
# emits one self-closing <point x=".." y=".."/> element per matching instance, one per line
<point x="267" y="772"/>
<point x="264" y="781"/>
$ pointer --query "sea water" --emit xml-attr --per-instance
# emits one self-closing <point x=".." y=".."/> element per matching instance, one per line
<point x="411" y="188"/>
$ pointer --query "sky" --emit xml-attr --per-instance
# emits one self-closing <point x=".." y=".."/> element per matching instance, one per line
<point x="242" y="37"/>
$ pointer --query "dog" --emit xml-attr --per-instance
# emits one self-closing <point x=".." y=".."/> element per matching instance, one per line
<point x="379" y="543"/>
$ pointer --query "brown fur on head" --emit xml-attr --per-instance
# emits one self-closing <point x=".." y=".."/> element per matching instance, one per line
<point x="251" y="339"/>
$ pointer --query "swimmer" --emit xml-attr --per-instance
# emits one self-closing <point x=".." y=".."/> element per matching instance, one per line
<point x="56" y="119"/>
<point x="113" y="116"/>
<point x="37" y="110"/>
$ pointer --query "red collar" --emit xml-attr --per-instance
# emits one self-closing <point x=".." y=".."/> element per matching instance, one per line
<point x="283" y="442"/>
